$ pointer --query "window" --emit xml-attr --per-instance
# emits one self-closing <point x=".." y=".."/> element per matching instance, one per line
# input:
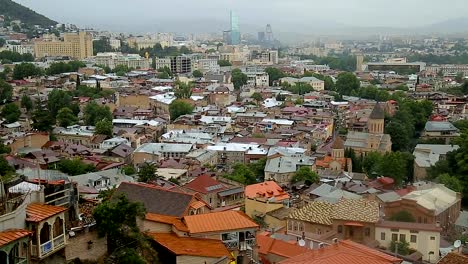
<point x="289" y="225"/>
<point x="367" y="231"/>
<point x="413" y="239"/>
<point x="340" y="229"/>
<point x="394" y="237"/>
<point x="301" y="226"/>
<point x="382" y="236"/>
<point x="414" y="231"/>
<point x="295" y="226"/>
<point x="432" y="238"/>
<point x="402" y="237"/>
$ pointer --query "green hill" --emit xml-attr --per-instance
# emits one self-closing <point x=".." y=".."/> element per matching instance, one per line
<point x="16" y="11"/>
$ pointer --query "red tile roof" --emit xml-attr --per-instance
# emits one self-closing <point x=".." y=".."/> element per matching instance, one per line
<point x="11" y="235"/>
<point x="268" y="245"/>
<point x="218" y="221"/>
<point x="266" y="189"/>
<point x="191" y="246"/>
<point x="38" y="212"/>
<point x="205" y="184"/>
<point x="344" y="252"/>
<point x="172" y="220"/>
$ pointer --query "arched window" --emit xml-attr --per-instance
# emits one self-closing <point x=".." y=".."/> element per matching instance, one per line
<point x="301" y="227"/>
<point x="290" y="224"/>
<point x="58" y="227"/>
<point x="45" y="233"/>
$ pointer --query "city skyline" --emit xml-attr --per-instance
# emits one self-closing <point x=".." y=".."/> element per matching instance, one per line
<point x="296" y="16"/>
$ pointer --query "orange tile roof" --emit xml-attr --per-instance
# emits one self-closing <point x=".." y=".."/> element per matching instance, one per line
<point x="218" y="221"/>
<point x="166" y="219"/>
<point x="268" y="245"/>
<point x="344" y="252"/>
<point x="11" y="235"/>
<point x="197" y="204"/>
<point x="38" y="212"/>
<point x="453" y="258"/>
<point x="266" y="189"/>
<point x="191" y="246"/>
<point x="325" y="162"/>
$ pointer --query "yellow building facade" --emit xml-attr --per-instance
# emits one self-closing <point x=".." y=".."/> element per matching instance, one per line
<point x="75" y="45"/>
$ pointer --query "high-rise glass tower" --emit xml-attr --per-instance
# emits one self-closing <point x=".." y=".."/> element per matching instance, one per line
<point x="235" y="33"/>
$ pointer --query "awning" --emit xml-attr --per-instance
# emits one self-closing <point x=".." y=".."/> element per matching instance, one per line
<point x="353" y="224"/>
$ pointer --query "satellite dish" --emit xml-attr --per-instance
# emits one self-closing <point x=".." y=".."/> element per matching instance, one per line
<point x="457" y="244"/>
<point x="301" y="242"/>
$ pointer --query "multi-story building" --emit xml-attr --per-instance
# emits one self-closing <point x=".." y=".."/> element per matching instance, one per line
<point x="317" y="85"/>
<point x="75" y="45"/>
<point x="21" y="48"/>
<point x="208" y="65"/>
<point x="232" y="153"/>
<point x="440" y="130"/>
<point x="427" y="155"/>
<point x="162" y="62"/>
<point x="115" y="43"/>
<point x="113" y="59"/>
<point x="155" y="151"/>
<point x="258" y="78"/>
<point x="181" y="64"/>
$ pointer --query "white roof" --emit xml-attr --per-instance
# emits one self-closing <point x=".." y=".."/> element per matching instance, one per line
<point x="427" y="155"/>
<point x="162" y="88"/>
<point x="240" y="147"/>
<point x="196" y="97"/>
<point x="437" y="198"/>
<point x="278" y="121"/>
<point x="215" y="119"/>
<point x="166" y="98"/>
<point x="24" y="187"/>
<point x="271" y="102"/>
<point x="135" y="122"/>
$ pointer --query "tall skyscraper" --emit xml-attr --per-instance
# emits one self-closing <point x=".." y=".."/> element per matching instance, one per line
<point x="269" y="34"/>
<point x="235" y="33"/>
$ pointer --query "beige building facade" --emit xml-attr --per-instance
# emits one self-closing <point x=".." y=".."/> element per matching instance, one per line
<point x="75" y="45"/>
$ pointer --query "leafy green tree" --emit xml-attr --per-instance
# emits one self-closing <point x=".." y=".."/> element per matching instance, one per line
<point x="274" y="74"/>
<point x="6" y="91"/>
<point x="102" y="45"/>
<point x="12" y="56"/>
<point x="11" y="113"/>
<point x="25" y="69"/>
<point x="238" y="78"/>
<point x="305" y="174"/>
<point x="166" y="70"/>
<point x="224" y="63"/>
<point x="347" y="82"/>
<point x="147" y="173"/>
<point x="197" y="74"/>
<point x="243" y="174"/>
<point x="400" y="134"/>
<point x="257" y="97"/>
<point x="183" y="90"/>
<point x="104" y="127"/>
<point x="57" y="100"/>
<point x="2" y="42"/>
<point x="401" y="247"/>
<point x="398" y="166"/>
<point x="74" y="167"/>
<point x="121" y="70"/>
<point x="163" y="75"/>
<point x="371" y="162"/>
<point x="451" y="182"/>
<point x="26" y="103"/>
<point x="61" y="67"/>
<point x="299" y="88"/>
<point x="65" y="117"/>
<point x="402" y="216"/>
<point x="258" y="168"/>
<point x="179" y="107"/>
<point x="6" y="171"/>
<point x="129" y="170"/>
<point x="94" y="113"/>
<point x="116" y="219"/>
<point x="42" y="120"/>
<point x="4" y="149"/>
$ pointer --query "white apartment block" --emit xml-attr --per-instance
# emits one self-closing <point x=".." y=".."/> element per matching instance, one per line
<point x="21" y="49"/>
<point x="162" y="62"/>
<point x="208" y="65"/>
<point x="112" y="59"/>
<point x="115" y="43"/>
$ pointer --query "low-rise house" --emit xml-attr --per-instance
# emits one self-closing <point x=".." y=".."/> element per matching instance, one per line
<point x="429" y="204"/>
<point x="271" y="250"/>
<point x="346" y="219"/>
<point x="15" y="246"/>
<point x="114" y="142"/>
<point x="425" y="238"/>
<point x="231" y="153"/>
<point x="214" y="192"/>
<point x="440" y="130"/>
<point x="282" y="163"/>
<point x="261" y="198"/>
<point x="343" y="252"/>
<point x="169" y="202"/>
<point x="19" y="141"/>
<point x="156" y="151"/>
<point x="427" y="155"/>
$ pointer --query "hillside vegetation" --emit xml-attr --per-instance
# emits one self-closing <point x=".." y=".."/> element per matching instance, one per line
<point x="15" y="11"/>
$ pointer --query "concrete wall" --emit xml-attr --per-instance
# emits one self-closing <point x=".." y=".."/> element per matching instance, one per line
<point x="196" y="260"/>
<point x="255" y="207"/>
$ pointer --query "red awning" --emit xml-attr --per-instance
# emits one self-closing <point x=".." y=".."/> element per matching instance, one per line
<point x="353" y="224"/>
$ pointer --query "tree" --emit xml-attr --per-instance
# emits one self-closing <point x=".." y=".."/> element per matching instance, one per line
<point x="101" y="45"/>
<point x="129" y="170"/>
<point x="346" y="83"/>
<point x="460" y="77"/>
<point x="243" y="174"/>
<point x="274" y="74"/>
<point x="26" y="103"/>
<point x="398" y="166"/>
<point x="197" y="74"/>
<point x="42" y="120"/>
<point x="104" y="127"/>
<point x="163" y="75"/>
<point x="238" y="78"/>
<point x="2" y="42"/>
<point x="74" y="167"/>
<point x="257" y="97"/>
<point x="401" y="247"/>
<point x="305" y="174"/>
<point x="179" y="107"/>
<point x="121" y="70"/>
<point x="6" y="171"/>
<point x="24" y="70"/>
<point x="165" y="70"/>
<point x="329" y="84"/>
<point x="224" y="63"/>
<point x="57" y="100"/>
<point x="402" y="216"/>
<point x="11" y="113"/>
<point x="66" y="117"/>
<point x="183" y="90"/>
<point x="147" y="173"/>
<point x="61" y="67"/>
<point x="4" y="149"/>
<point x="116" y="219"/>
<point x="451" y="182"/>
<point x="6" y="91"/>
<point x="94" y="113"/>
<point x="371" y="162"/>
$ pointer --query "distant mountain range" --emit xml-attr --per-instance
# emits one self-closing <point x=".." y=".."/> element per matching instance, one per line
<point x="26" y="15"/>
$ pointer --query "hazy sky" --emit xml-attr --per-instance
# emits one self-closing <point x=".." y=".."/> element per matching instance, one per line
<point x="280" y="13"/>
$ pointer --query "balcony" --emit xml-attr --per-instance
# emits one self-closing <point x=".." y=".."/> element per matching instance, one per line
<point x="243" y="245"/>
<point x="231" y="244"/>
<point x="49" y="246"/>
